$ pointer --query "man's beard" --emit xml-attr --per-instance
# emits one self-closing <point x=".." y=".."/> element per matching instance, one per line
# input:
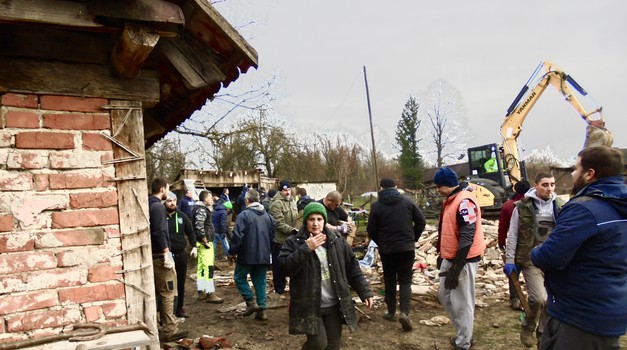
<point x="578" y="184"/>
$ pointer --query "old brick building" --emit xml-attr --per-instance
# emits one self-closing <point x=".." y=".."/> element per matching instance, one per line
<point x="85" y="87"/>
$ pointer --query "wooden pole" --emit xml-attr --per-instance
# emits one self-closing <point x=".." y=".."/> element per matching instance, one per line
<point x="374" y="151"/>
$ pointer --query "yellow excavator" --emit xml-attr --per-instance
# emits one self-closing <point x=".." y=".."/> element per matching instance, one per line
<point x="495" y="169"/>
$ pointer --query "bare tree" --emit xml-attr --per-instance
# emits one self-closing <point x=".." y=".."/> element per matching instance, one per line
<point x="164" y="159"/>
<point x="444" y="113"/>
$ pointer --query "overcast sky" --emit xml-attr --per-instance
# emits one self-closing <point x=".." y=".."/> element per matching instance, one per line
<point x="485" y="49"/>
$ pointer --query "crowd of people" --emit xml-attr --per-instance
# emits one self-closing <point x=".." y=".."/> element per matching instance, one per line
<point x="572" y="255"/>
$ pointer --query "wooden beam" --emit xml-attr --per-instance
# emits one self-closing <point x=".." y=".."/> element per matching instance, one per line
<point x="197" y="67"/>
<point x="59" y="12"/>
<point x="89" y="80"/>
<point x="132" y="204"/>
<point x="131" y="50"/>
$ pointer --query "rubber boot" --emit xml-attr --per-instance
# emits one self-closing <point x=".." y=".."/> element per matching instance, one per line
<point x="251" y="307"/>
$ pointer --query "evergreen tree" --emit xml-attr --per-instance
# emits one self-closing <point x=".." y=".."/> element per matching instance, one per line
<point x="409" y="161"/>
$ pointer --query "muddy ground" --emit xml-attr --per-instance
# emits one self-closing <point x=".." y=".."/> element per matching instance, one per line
<point x="496" y="325"/>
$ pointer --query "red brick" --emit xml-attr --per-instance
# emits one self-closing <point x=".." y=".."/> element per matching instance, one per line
<point x="2" y="329"/>
<point x="31" y="261"/>
<point x="92" y="313"/>
<point x="75" y="180"/>
<point x="6" y="222"/>
<point x="11" y="303"/>
<point x="19" y="100"/>
<point x="42" y="182"/>
<point x="20" y="119"/>
<point x="105" y="157"/>
<point x="16" y="242"/>
<point x="85" y="218"/>
<point x="12" y="284"/>
<point x="91" y="293"/>
<point x="69" y="103"/>
<point x="15" y="181"/>
<point x="114" y="309"/>
<point x="57" y="278"/>
<point x="77" y="121"/>
<point x="69" y="238"/>
<point x="39" y="320"/>
<point x="93" y="200"/>
<point x="103" y="273"/>
<point x="5" y="138"/>
<point x="84" y="256"/>
<point x="27" y="160"/>
<point x="96" y="142"/>
<point x="44" y="140"/>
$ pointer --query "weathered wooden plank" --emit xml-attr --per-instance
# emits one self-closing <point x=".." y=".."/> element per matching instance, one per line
<point x="197" y="68"/>
<point x="89" y="80"/>
<point x="107" y="342"/>
<point x="60" y="12"/>
<point x="131" y="50"/>
<point x="132" y="204"/>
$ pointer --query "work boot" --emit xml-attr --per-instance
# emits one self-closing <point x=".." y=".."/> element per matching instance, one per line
<point x="261" y="315"/>
<point x="212" y="298"/>
<point x="176" y="336"/>
<point x="180" y="312"/>
<point x="251" y="307"/>
<point x="405" y="322"/>
<point x="202" y="295"/>
<point x="515" y="304"/>
<point x="389" y="316"/>
<point x="526" y="337"/>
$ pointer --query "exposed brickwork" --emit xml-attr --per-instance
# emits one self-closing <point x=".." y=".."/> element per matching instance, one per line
<point x="19" y="100"/>
<point x="15" y="182"/>
<point x="93" y="200"/>
<point x="12" y="284"/>
<point x="83" y="256"/>
<point x="114" y="309"/>
<point x="16" y="242"/>
<point x="85" y="218"/>
<point x="31" y="261"/>
<point x="44" y="140"/>
<point x="96" y="142"/>
<point x="57" y="278"/>
<point x="5" y="138"/>
<point x="68" y="238"/>
<point x="21" y="119"/>
<point x="91" y="293"/>
<point x="6" y="222"/>
<point x="43" y="319"/>
<point x="74" y="104"/>
<point x="74" y="160"/>
<point x="77" y="121"/>
<point x="11" y="303"/>
<point x="26" y="160"/>
<point x="103" y="273"/>
<point x="42" y="182"/>
<point x="73" y="181"/>
<point x="92" y="313"/>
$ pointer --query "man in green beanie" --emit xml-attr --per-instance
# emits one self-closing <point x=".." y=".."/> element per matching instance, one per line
<point x="320" y="293"/>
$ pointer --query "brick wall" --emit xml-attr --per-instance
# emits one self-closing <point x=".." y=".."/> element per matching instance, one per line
<point x="58" y="216"/>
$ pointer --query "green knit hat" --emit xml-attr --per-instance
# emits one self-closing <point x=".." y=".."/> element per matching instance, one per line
<point x="314" y="208"/>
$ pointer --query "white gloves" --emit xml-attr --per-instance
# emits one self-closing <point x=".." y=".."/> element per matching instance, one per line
<point x="168" y="261"/>
<point x="343" y="228"/>
<point x="194" y="252"/>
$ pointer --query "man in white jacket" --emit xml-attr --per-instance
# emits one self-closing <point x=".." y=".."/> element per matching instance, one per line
<point x="532" y="221"/>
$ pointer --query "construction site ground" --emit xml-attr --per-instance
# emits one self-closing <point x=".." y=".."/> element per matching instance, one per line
<point x="496" y="324"/>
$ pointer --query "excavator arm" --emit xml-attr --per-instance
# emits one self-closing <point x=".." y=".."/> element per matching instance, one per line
<point x="511" y="128"/>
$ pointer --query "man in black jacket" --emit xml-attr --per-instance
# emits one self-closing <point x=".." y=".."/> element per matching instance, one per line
<point x="395" y="224"/>
<point x="179" y="227"/>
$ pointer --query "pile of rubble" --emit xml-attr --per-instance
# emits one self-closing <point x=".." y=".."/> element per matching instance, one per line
<point x="491" y="282"/>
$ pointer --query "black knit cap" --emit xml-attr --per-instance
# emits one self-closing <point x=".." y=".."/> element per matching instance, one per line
<point x="386" y="182"/>
<point x="284" y="185"/>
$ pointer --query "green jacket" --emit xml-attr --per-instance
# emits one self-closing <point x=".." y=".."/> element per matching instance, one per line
<point x="528" y="228"/>
<point x="284" y="213"/>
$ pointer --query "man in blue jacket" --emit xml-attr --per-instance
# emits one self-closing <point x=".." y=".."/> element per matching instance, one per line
<point x="251" y="246"/>
<point x="585" y="258"/>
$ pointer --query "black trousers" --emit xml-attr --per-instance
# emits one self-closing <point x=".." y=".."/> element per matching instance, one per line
<point x="397" y="267"/>
<point x="561" y="336"/>
<point x="278" y="277"/>
<point x="180" y="265"/>
<point x="330" y="325"/>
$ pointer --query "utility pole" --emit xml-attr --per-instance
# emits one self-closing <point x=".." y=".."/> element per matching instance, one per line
<point x="374" y="151"/>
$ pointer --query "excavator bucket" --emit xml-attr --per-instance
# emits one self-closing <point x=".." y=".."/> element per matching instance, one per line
<point x="598" y="135"/>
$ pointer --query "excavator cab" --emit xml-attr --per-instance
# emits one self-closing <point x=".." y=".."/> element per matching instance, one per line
<point x="488" y="178"/>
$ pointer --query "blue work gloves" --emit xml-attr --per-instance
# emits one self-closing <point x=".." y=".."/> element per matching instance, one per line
<point x="509" y="268"/>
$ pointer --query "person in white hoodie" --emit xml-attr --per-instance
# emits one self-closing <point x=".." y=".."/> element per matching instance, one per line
<point x="532" y="221"/>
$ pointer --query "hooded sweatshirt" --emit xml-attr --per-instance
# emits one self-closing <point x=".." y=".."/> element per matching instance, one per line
<point x="252" y="236"/>
<point x="395" y="223"/>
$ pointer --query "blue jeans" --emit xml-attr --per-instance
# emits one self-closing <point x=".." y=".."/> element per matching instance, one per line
<point x="257" y="276"/>
<point x="221" y="237"/>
